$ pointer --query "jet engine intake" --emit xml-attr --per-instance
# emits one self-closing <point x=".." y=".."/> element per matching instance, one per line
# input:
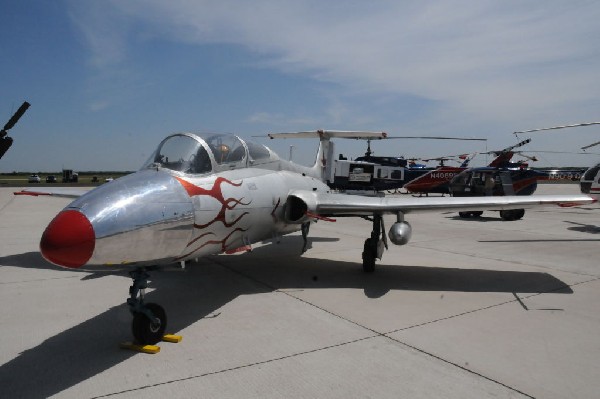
<point x="400" y="233"/>
<point x="297" y="209"/>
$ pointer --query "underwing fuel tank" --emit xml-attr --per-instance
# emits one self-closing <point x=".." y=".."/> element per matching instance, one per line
<point x="143" y="218"/>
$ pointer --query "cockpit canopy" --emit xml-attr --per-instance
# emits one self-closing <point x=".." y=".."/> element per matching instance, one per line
<point x="199" y="154"/>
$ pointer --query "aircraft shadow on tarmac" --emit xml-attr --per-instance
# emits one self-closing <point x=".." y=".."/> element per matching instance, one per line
<point x="584" y="228"/>
<point x="480" y="219"/>
<point x="189" y="295"/>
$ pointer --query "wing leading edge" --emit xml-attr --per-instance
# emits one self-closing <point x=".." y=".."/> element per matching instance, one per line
<point x="65" y="192"/>
<point x="327" y="204"/>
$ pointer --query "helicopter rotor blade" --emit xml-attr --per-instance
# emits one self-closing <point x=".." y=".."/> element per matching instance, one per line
<point x="558" y="127"/>
<point x="436" y="138"/>
<point x="512" y="147"/>
<point x="590" y="146"/>
<point x="14" y="119"/>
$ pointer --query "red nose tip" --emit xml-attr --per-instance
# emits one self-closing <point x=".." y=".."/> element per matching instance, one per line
<point x="68" y="240"/>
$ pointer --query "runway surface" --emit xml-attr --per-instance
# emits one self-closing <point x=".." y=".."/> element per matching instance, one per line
<point x="468" y="309"/>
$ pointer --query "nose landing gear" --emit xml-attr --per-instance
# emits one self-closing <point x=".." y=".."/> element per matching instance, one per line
<point x="149" y="319"/>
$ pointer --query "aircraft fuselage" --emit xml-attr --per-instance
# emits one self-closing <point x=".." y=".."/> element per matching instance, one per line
<point x="158" y="216"/>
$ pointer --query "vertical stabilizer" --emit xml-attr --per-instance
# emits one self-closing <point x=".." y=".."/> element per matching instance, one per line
<point x="323" y="167"/>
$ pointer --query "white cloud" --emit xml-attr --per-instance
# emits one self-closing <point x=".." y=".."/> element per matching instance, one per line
<point x="528" y="63"/>
<point x="103" y="29"/>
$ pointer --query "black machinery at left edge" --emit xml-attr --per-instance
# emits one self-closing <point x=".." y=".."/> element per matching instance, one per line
<point x="5" y="140"/>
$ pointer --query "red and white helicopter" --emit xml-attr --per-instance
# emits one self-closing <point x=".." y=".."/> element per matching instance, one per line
<point x="202" y="194"/>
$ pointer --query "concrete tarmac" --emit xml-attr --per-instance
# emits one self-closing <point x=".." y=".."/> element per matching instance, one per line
<point x="471" y="308"/>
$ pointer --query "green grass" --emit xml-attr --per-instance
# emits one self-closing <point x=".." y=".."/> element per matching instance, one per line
<point x="85" y="178"/>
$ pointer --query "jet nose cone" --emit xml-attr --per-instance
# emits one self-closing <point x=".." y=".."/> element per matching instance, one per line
<point x="69" y="240"/>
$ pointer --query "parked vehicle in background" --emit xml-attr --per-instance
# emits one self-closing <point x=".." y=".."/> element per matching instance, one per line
<point x="69" y="176"/>
<point x="34" y="179"/>
<point x="51" y="179"/>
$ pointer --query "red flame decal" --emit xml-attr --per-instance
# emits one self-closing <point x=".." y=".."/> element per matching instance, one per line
<point x="226" y="204"/>
<point x="223" y="243"/>
<point x="216" y="193"/>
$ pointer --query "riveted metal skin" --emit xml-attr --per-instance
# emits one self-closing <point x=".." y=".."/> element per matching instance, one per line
<point x="145" y="217"/>
<point x="241" y="207"/>
<point x="161" y="214"/>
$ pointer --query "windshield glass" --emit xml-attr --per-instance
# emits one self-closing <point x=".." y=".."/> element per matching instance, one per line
<point x="182" y="153"/>
<point x="205" y="153"/>
<point x="226" y="148"/>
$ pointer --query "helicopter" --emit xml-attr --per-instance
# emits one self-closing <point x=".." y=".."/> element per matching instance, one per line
<point x="438" y="180"/>
<point x="380" y="173"/>
<point x="589" y="182"/>
<point x="503" y="177"/>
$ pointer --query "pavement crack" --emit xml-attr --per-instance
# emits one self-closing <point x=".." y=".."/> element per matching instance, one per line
<point x="244" y="366"/>
<point x="376" y="334"/>
<point x="373" y="334"/>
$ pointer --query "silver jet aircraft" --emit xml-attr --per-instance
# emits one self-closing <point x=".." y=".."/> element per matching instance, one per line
<point x="208" y="194"/>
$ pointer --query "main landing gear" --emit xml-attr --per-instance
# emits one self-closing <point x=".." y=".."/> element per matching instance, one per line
<point x="512" y="214"/>
<point x="508" y="215"/>
<point x="149" y="319"/>
<point x="470" y="214"/>
<point x="375" y="245"/>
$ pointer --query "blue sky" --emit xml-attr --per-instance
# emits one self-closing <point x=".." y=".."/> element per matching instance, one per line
<point x="107" y="80"/>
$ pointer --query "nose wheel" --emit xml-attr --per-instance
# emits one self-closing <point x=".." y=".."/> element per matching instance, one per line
<point x="149" y="319"/>
<point x="149" y="328"/>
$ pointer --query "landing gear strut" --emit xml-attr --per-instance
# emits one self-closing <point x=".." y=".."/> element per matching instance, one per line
<point x="305" y="227"/>
<point x="374" y="246"/>
<point x="149" y="319"/>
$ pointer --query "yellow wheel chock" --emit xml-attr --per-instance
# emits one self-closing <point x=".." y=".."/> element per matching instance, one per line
<point x="151" y="349"/>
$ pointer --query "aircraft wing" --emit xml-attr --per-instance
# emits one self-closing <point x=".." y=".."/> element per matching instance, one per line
<point x="326" y="204"/>
<point x="65" y="192"/>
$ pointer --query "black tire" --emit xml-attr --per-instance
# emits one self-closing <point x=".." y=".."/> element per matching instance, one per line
<point x="368" y="256"/>
<point x="144" y="330"/>
<point x="464" y="215"/>
<point x="513" y="214"/>
<point x="476" y="214"/>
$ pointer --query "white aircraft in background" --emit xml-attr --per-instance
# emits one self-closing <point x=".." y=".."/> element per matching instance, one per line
<point x="590" y="181"/>
<point x="207" y="194"/>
